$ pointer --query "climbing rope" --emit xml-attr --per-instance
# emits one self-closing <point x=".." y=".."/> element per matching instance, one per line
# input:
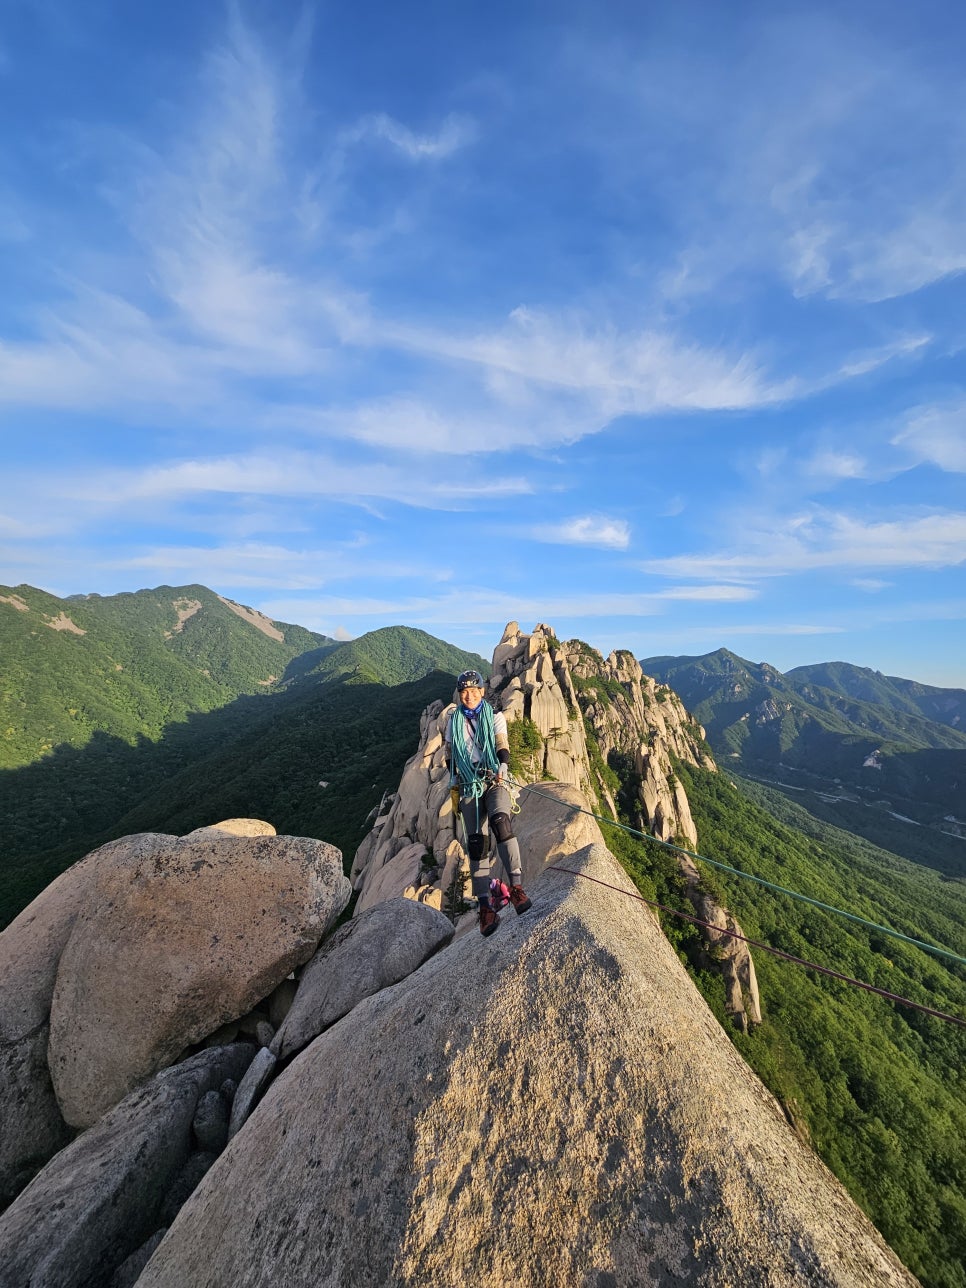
<point x="472" y="775"/>
<point x="748" y="876"/>
<point x="775" y="952"/>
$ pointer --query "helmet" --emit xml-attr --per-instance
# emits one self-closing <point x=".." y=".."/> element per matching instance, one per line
<point x="470" y="680"/>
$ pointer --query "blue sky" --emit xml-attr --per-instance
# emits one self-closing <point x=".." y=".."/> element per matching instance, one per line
<point x="646" y="321"/>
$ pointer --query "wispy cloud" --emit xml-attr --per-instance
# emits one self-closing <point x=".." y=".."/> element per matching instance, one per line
<point x="286" y="473"/>
<point x="277" y="567"/>
<point x="454" y="133"/>
<point x="822" y="539"/>
<point x="937" y="435"/>
<point x="586" y="530"/>
<point x="803" y="124"/>
<point x="622" y="371"/>
<point x="718" y="594"/>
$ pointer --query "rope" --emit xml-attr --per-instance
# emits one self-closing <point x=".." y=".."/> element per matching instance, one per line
<point x="472" y="774"/>
<point x="770" y="885"/>
<point x="776" y="952"/>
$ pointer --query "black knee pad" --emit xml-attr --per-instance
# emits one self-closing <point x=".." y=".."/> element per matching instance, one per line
<point x="477" y="847"/>
<point x="502" y="827"/>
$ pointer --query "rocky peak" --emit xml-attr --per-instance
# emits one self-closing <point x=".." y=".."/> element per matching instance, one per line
<point x="553" y="1105"/>
<point x="570" y="712"/>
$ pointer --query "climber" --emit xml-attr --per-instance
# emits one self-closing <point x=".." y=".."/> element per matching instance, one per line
<point x="478" y="758"/>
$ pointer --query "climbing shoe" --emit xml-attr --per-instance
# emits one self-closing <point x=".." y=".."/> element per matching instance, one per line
<point x="519" y="899"/>
<point x="488" y="920"/>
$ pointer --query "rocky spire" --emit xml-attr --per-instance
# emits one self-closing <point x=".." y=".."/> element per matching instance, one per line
<point x="570" y="713"/>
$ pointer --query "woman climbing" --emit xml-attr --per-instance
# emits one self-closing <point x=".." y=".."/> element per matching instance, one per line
<point x="478" y="757"/>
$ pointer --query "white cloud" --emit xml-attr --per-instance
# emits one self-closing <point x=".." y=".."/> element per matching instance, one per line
<point x="711" y="594"/>
<point x="937" y="435"/>
<point x="872" y="585"/>
<point x="454" y="133"/>
<point x="483" y="605"/>
<point x="586" y="530"/>
<point x="618" y="371"/>
<point x="831" y="464"/>
<point x="821" y="150"/>
<point x="861" y="364"/>
<point x="278" y="567"/>
<point x="821" y="539"/>
<point x="284" y="473"/>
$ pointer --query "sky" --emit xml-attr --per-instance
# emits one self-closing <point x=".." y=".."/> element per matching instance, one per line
<point x="646" y="321"/>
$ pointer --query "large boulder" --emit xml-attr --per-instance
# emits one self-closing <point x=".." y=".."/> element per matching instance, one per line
<point x="175" y="939"/>
<point x="102" y="1196"/>
<point x="369" y="953"/>
<point x="552" y="1105"/>
<point x="30" y="950"/>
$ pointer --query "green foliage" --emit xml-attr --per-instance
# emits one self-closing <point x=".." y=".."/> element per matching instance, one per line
<point x="526" y="748"/>
<point x="139" y="665"/>
<point x="455" y="902"/>
<point x="879" y="1087"/>
<point x="603" y="687"/>
<point x="396" y="655"/>
<point x="945" y="706"/>
<point x="139" y="717"/>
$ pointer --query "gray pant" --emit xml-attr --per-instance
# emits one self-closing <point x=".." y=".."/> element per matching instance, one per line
<point x="478" y="813"/>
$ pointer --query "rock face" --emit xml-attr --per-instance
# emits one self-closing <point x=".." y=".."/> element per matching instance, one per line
<point x="553" y="692"/>
<point x="551" y="1105"/>
<point x="381" y="947"/>
<point x="100" y="1198"/>
<point x="176" y="937"/>
<point x="30" y="950"/>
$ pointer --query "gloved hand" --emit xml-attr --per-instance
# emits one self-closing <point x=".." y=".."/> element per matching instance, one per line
<point x="503" y="773"/>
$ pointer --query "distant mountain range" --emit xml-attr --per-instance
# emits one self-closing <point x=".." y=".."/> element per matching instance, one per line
<point x="128" y="711"/>
<point x="882" y="756"/>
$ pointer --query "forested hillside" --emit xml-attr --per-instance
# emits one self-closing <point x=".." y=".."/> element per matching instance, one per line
<point x="146" y="710"/>
<point x="128" y="665"/>
<point x="945" y="706"/>
<point x="879" y="1089"/>
<point x="880" y="767"/>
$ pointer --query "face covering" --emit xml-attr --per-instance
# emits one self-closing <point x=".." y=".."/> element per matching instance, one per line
<point x="472" y="711"/>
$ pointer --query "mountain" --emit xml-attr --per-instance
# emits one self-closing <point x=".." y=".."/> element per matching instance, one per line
<point x="395" y="655"/>
<point x="132" y="707"/>
<point x="552" y="1105"/>
<point x="128" y="665"/>
<point x="943" y="706"/>
<point x="875" y="1088"/>
<point x="882" y="769"/>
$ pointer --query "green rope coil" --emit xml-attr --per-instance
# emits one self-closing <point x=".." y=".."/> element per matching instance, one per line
<point x="472" y="775"/>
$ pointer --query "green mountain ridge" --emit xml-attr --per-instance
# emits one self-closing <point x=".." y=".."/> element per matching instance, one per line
<point x="129" y="664"/>
<point x="885" y="769"/>
<point x="110" y="704"/>
<point x="944" y="706"/>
